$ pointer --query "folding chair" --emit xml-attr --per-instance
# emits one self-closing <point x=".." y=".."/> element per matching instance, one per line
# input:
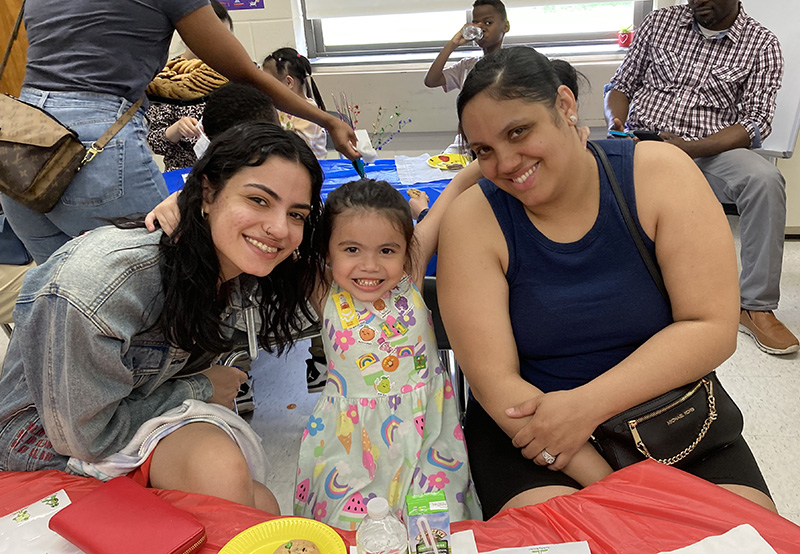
<point x="446" y="354"/>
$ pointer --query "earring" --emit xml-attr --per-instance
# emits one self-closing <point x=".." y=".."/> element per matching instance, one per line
<point x="573" y="118"/>
<point x="203" y="213"/>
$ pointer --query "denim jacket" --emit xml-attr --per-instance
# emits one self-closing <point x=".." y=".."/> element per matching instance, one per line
<point x="86" y="365"/>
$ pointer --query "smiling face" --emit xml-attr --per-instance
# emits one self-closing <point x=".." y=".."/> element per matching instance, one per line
<point x="522" y="146"/>
<point x="494" y="27"/>
<point x="716" y="15"/>
<point x="367" y="254"/>
<point x="257" y="218"/>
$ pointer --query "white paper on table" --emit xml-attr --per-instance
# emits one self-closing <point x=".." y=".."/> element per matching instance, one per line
<point x="743" y="538"/>
<point x="414" y="170"/>
<point x="581" y="547"/>
<point x="27" y="531"/>
<point x="364" y="146"/>
<point x="462" y="542"/>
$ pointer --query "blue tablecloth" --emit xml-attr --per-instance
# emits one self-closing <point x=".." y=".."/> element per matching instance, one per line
<point x="338" y="172"/>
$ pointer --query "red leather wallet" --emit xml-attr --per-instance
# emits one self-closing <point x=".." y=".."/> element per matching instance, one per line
<point x="121" y="516"/>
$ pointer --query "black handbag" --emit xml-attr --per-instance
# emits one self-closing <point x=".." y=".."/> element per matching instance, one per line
<point x="681" y="426"/>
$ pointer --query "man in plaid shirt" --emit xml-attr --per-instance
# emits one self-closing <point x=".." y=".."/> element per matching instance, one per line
<point x="704" y="77"/>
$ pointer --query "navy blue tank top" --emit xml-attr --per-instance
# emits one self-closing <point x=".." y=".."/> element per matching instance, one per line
<point x="579" y="308"/>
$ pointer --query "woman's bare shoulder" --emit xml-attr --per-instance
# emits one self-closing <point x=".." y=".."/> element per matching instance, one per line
<point x="471" y="206"/>
<point x="668" y="184"/>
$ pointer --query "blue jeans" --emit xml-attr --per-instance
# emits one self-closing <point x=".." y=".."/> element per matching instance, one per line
<point x="120" y="181"/>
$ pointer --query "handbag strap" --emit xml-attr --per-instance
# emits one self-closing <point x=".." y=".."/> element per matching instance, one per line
<point x="11" y="40"/>
<point x="652" y="267"/>
<point x="98" y="145"/>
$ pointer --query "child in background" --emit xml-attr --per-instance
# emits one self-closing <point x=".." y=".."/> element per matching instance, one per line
<point x="174" y="127"/>
<point x="387" y="422"/>
<point x="229" y="105"/>
<point x="490" y="16"/>
<point x="294" y="69"/>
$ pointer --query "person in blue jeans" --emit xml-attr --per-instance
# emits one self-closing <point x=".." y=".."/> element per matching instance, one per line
<point x="87" y="64"/>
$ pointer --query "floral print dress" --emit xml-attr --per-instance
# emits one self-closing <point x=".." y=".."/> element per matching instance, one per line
<point x="387" y="423"/>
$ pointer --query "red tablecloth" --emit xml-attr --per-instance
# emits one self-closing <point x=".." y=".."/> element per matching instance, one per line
<point x="647" y="507"/>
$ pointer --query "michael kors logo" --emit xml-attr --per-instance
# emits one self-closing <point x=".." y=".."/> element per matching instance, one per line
<point x="680" y="416"/>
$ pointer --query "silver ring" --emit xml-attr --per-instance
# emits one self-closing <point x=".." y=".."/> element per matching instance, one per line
<point x="548" y="458"/>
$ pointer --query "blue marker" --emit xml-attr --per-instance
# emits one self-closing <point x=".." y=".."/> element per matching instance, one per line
<point x="358" y="164"/>
<point x="620" y="134"/>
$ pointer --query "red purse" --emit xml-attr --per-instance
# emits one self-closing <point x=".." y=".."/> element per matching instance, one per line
<point x="121" y="516"/>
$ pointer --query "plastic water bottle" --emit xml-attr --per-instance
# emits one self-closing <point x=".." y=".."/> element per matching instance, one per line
<point x="472" y="32"/>
<point x="380" y="532"/>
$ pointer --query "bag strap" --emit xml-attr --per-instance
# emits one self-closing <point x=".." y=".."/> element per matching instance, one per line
<point x="652" y="267"/>
<point x="11" y="40"/>
<point x="98" y="145"/>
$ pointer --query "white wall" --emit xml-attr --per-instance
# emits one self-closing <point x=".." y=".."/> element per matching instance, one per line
<point x="432" y="112"/>
<point x="791" y="172"/>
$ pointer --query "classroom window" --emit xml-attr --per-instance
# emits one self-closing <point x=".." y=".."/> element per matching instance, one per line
<point x="340" y="32"/>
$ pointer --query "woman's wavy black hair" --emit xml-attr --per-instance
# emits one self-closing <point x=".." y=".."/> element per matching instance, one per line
<point x="193" y="297"/>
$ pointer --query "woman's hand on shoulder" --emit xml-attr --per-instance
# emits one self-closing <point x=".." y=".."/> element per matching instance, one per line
<point x="226" y="381"/>
<point x="166" y="215"/>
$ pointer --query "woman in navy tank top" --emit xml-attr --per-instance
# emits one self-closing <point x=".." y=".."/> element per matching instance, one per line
<point x="549" y="307"/>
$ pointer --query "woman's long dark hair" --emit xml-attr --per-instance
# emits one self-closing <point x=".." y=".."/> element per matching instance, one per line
<point x="193" y="304"/>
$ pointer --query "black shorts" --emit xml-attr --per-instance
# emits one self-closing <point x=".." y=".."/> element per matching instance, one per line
<point x="490" y="449"/>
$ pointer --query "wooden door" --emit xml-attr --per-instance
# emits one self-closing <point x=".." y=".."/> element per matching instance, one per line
<point x="11" y="81"/>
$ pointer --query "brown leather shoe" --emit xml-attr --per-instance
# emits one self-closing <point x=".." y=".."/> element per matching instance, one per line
<point x="770" y="334"/>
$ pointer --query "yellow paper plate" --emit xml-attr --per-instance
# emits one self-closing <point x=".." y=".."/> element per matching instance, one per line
<point x="265" y="538"/>
<point x="448" y="161"/>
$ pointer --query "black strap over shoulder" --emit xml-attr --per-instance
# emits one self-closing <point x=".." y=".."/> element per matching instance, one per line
<point x="652" y="267"/>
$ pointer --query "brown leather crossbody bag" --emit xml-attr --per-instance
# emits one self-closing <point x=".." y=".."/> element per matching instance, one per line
<point x="39" y="156"/>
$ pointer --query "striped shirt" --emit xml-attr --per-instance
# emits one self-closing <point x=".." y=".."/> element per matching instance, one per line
<point x="679" y="81"/>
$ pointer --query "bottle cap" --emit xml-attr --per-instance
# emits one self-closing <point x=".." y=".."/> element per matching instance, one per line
<point x="377" y="508"/>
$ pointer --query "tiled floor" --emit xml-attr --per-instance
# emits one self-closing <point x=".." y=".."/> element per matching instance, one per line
<point x="767" y="388"/>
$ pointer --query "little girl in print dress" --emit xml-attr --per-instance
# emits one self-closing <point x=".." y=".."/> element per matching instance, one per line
<point x="386" y="423"/>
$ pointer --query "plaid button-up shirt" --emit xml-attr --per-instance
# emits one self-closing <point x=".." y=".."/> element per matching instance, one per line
<point x="679" y="81"/>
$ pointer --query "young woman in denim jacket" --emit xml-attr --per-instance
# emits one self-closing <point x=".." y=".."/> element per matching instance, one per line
<point x="119" y="326"/>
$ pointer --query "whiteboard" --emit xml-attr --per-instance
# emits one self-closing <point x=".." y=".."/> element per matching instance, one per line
<point x="782" y="18"/>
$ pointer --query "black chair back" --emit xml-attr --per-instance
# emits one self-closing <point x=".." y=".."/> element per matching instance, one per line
<point x="446" y="355"/>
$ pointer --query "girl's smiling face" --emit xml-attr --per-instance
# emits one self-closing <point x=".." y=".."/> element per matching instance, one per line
<point x="367" y="254"/>
<point x="257" y="218"/>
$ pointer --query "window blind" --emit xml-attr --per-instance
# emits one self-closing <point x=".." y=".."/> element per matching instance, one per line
<point x="320" y="9"/>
